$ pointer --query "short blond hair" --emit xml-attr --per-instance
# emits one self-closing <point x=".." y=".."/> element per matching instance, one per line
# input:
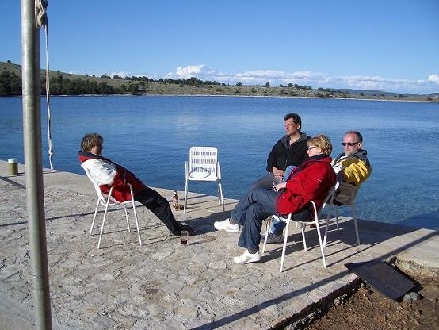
<point x="321" y="141"/>
<point x="91" y="140"/>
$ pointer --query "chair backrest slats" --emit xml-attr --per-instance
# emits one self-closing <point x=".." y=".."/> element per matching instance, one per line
<point x="203" y="163"/>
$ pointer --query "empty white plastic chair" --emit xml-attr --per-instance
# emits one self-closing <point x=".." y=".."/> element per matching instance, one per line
<point x="203" y="165"/>
<point x="106" y="201"/>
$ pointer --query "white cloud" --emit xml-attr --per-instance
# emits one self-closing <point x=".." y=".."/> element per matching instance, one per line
<point x="309" y="78"/>
<point x="189" y="71"/>
<point x="122" y="74"/>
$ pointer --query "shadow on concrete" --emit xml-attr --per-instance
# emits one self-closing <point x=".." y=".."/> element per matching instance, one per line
<point x="303" y="291"/>
<point x="13" y="183"/>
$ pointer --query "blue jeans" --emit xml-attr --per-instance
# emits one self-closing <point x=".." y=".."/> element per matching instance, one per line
<point x="257" y="205"/>
<point x="265" y="182"/>
<point x="276" y="227"/>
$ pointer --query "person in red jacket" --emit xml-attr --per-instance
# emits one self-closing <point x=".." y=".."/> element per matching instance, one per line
<point x="310" y="181"/>
<point x="108" y="174"/>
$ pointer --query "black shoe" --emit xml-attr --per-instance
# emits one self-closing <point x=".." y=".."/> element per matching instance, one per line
<point x="186" y="227"/>
<point x="274" y="239"/>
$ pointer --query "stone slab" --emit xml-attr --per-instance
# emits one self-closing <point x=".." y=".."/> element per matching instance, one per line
<point x="163" y="285"/>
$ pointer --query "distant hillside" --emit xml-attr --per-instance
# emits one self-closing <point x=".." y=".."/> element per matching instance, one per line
<point x="62" y="83"/>
<point x="372" y="92"/>
<point x="15" y="68"/>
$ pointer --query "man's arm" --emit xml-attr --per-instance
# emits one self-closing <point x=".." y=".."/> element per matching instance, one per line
<point x="355" y="170"/>
<point x="272" y="158"/>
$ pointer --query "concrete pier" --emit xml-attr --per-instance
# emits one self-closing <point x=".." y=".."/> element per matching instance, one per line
<point x="164" y="285"/>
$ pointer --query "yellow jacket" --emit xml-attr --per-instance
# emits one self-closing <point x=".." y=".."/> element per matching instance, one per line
<point x="354" y="169"/>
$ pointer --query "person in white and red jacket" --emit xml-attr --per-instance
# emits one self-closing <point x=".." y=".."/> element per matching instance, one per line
<point x="108" y="174"/>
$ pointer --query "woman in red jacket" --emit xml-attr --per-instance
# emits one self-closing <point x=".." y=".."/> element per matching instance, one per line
<point x="311" y="181"/>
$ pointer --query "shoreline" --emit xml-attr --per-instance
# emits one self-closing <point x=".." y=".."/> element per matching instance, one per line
<point x="235" y="96"/>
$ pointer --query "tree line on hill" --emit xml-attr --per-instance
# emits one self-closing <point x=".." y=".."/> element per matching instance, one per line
<point x="64" y="84"/>
<point x="10" y="84"/>
<point x="69" y="84"/>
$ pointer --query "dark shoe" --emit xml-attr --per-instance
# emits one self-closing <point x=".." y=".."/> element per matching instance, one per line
<point x="274" y="239"/>
<point x="186" y="227"/>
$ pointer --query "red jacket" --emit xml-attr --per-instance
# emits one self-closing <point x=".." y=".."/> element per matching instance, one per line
<point x="311" y="181"/>
<point x="121" y="191"/>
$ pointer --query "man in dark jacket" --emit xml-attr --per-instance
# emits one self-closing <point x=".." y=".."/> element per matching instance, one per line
<point x="290" y="150"/>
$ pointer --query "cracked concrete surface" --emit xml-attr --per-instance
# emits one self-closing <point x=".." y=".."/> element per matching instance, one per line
<point x="162" y="284"/>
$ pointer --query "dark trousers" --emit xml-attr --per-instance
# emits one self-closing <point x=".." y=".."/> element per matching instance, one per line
<point x="160" y="207"/>
<point x="256" y="206"/>
<point x="265" y="182"/>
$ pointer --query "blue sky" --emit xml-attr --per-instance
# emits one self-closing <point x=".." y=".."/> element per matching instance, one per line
<point x="390" y="45"/>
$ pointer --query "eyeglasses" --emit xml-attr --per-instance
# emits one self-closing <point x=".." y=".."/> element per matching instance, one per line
<point x="310" y="148"/>
<point x="350" y="144"/>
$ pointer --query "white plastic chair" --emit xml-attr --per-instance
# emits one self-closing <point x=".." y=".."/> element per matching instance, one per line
<point x="203" y="165"/>
<point x="107" y="201"/>
<point x="347" y="198"/>
<point x="302" y="225"/>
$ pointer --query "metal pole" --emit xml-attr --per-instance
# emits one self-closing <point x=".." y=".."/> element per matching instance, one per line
<point x="30" y="46"/>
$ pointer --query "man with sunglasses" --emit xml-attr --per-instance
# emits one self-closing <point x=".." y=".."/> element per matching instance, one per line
<point x="352" y="168"/>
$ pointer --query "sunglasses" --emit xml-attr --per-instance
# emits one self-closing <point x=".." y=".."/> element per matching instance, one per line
<point x="350" y="144"/>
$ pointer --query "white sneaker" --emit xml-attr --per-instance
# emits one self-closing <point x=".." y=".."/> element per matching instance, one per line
<point x="227" y="226"/>
<point x="247" y="257"/>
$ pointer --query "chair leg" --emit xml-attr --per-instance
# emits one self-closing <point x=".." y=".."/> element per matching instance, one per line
<point x="328" y="218"/>
<point x="354" y="216"/>
<point x="267" y="227"/>
<point x="320" y="241"/>
<point x="285" y="243"/>
<point x="186" y="184"/>
<point x="137" y="221"/>
<point x="103" y="222"/>
<point x="126" y="215"/>
<point x="221" y="197"/>
<point x="94" y="216"/>
<point x="302" y="229"/>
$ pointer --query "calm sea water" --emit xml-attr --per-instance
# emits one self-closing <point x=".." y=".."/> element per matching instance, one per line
<point x="151" y="136"/>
